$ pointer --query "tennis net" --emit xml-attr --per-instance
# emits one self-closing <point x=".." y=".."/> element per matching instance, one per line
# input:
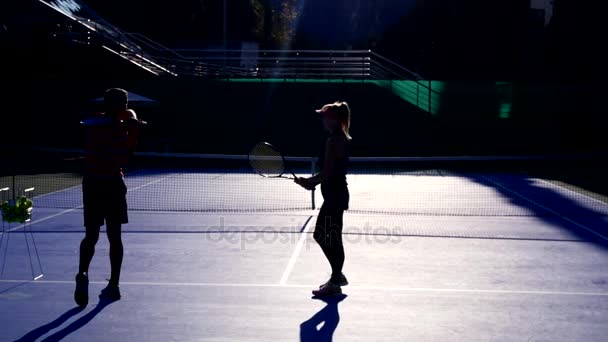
<point x="446" y="186"/>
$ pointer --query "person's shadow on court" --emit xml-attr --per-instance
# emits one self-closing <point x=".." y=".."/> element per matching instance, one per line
<point x="61" y="334"/>
<point x="321" y="326"/>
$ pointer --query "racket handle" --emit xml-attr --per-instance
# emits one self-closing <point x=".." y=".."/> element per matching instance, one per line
<point x="133" y="121"/>
<point x="95" y="121"/>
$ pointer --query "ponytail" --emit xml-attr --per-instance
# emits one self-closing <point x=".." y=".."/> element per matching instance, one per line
<point x="343" y="113"/>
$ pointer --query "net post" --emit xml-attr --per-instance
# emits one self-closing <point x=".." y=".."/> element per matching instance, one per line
<point x="429" y="99"/>
<point x="14" y="188"/>
<point x="313" y="168"/>
<point x="2" y="197"/>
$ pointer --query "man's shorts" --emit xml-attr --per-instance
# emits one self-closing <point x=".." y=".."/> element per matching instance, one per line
<point x="104" y="199"/>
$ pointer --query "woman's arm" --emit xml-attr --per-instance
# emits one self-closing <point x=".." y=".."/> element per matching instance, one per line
<point x="328" y="165"/>
<point x="334" y="149"/>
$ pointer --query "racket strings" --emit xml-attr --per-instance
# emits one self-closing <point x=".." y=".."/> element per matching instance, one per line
<point x="266" y="161"/>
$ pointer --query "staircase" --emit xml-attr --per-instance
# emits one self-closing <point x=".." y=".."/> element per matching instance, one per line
<point x="96" y="30"/>
<point x="252" y="65"/>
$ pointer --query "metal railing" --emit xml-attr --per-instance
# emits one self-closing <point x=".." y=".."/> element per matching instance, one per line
<point x="102" y="33"/>
<point x="251" y="64"/>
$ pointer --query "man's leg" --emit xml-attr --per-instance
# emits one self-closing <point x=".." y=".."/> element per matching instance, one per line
<point x="117" y="215"/>
<point x="87" y="248"/>
<point x="116" y="251"/>
<point x="93" y="220"/>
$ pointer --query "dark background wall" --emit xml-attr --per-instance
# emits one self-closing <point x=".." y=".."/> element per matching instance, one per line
<point x="556" y="101"/>
<point x="206" y="116"/>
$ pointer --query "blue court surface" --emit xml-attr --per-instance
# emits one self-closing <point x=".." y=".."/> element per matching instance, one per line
<point x="490" y="259"/>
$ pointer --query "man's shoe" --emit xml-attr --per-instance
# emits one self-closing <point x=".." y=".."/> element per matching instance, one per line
<point x="81" y="293"/>
<point x="111" y="292"/>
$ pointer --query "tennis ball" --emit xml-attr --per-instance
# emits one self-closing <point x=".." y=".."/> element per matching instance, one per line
<point x="19" y="212"/>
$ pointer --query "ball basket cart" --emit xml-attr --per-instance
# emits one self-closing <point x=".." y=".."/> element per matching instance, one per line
<point x="17" y="214"/>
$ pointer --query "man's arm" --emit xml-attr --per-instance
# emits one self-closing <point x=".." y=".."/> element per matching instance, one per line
<point x="132" y="129"/>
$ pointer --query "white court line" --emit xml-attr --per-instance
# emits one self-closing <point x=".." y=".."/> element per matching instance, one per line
<point x="549" y="210"/>
<point x="296" y="252"/>
<point x="152" y="182"/>
<point x="79" y="186"/>
<point x="298" y="286"/>
<point x="75" y="208"/>
<point x="572" y="191"/>
<point x="44" y="218"/>
<point x="57" y="191"/>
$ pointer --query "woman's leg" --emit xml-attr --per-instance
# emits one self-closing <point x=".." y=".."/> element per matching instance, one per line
<point x="336" y="259"/>
<point x="328" y="234"/>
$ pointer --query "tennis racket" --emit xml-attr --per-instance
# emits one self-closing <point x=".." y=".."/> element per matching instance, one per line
<point x="268" y="162"/>
<point x="102" y="121"/>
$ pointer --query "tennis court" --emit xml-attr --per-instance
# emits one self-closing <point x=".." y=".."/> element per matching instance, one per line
<point x="435" y="249"/>
<point x="477" y="178"/>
